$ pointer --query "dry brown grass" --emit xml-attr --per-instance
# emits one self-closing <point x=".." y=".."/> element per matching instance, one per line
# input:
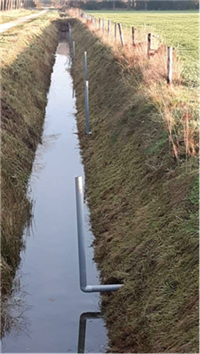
<point x="153" y="74"/>
<point x="143" y="201"/>
<point x="27" y="53"/>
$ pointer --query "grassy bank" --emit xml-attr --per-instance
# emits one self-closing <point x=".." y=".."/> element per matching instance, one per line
<point x="12" y="15"/>
<point x="177" y="29"/>
<point x="143" y="201"/>
<point x="27" y="56"/>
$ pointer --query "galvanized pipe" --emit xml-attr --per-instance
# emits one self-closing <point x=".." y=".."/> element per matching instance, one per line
<point x="73" y="53"/>
<point x="85" y="66"/>
<point x="87" y="130"/>
<point x="81" y="248"/>
<point x="70" y="33"/>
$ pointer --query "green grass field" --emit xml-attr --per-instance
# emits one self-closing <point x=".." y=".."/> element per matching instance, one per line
<point x="177" y="29"/>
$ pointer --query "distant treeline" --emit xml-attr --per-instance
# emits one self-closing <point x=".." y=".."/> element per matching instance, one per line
<point x="136" y="5"/>
<point x="16" y="4"/>
<point x="10" y="4"/>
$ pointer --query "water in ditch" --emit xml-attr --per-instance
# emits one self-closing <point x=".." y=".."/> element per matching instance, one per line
<point x="45" y="314"/>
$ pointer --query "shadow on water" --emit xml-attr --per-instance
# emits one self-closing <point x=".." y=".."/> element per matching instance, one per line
<point x="47" y="311"/>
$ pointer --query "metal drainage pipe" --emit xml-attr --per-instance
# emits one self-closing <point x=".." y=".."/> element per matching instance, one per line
<point x="81" y="247"/>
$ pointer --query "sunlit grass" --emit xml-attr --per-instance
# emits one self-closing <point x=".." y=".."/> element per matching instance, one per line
<point x="177" y="29"/>
<point x="12" y="15"/>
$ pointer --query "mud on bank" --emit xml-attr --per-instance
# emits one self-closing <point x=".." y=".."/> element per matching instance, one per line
<point x="27" y="58"/>
<point x="144" y="207"/>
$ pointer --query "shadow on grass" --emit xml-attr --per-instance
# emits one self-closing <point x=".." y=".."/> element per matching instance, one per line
<point x="25" y="84"/>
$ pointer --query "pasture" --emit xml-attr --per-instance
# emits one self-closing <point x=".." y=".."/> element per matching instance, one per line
<point x="177" y="29"/>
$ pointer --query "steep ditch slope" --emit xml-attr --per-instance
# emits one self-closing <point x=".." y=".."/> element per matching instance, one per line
<point x="144" y="206"/>
<point x="27" y="58"/>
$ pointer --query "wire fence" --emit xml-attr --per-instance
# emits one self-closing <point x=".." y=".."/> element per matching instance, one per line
<point x="143" y="45"/>
<point x="156" y="61"/>
<point x="176" y="63"/>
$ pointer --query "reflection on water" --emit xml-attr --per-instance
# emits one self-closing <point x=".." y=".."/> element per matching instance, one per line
<point x="44" y="311"/>
<point x="82" y="328"/>
<point x="14" y="311"/>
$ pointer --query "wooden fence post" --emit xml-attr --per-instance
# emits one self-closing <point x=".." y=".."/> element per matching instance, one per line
<point x="121" y="34"/>
<point x="115" y="34"/>
<point x="148" y="45"/>
<point x="99" y="23"/>
<point x="169" y="64"/>
<point x="103" y="25"/>
<point x="109" y="28"/>
<point x="133" y="35"/>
